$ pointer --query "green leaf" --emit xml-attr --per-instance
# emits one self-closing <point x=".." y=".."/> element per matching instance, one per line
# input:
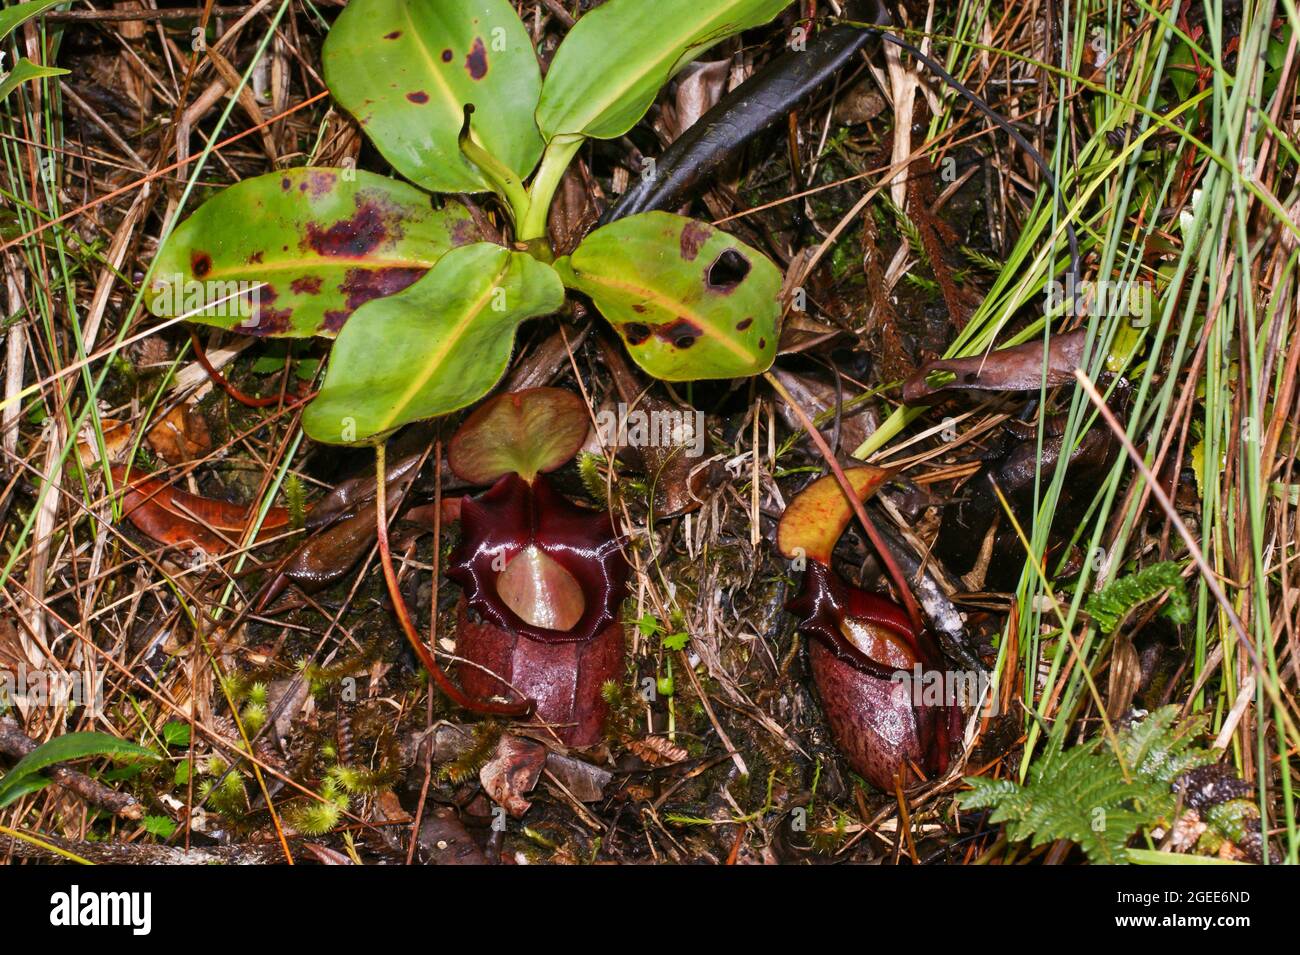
<point x="1182" y="70"/>
<point x="268" y="364"/>
<point x="160" y="826"/>
<point x="23" y="71"/>
<point x="61" y="749"/>
<point x="1156" y="857"/>
<point x="324" y="242"/>
<point x="690" y="301"/>
<point x="11" y="18"/>
<point x="176" y="733"/>
<point x="432" y="349"/>
<point x="406" y="69"/>
<point x="25" y="787"/>
<point x="616" y="58"/>
<point x="677" y="641"/>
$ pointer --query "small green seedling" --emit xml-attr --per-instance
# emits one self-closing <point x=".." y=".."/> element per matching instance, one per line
<point x="424" y="306"/>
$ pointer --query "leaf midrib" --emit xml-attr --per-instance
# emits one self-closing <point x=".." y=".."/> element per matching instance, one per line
<point x="448" y="93"/>
<point x="436" y="359"/>
<point x="320" y="264"/>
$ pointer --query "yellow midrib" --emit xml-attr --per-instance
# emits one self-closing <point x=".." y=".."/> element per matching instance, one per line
<point x="440" y="354"/>
<point x="448" y="93"/>
<point x="676" y="308"/>
<point x="323" y="264"/>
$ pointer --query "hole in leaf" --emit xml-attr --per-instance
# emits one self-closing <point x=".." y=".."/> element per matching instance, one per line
<point x="728" y="271"/>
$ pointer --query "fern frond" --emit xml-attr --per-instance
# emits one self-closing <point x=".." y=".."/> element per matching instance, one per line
<point x="1110" y="606"/>
<point x="1084" y="793"/>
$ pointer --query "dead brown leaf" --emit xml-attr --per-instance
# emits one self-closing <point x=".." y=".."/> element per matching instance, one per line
<point x="512" y="772"/>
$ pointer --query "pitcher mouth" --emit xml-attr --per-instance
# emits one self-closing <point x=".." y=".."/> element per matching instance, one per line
<point x="825" y="602"/>
<point x="525" y="547"/>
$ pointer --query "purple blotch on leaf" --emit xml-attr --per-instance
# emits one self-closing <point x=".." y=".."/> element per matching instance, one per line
<point x="680" y="334"/>
<point x="361" y="285"/>
<point x="476" y="60"/>
<point x="357" y="236"/>
<point x="694" y="235"/>
<point x="334" y="319"/>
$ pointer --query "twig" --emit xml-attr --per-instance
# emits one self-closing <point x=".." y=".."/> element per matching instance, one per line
<point x="433" y="642"/>
<point x="158" y="174"/>
<point x="558" y="11"/>
<point x="224" y="384"/>
<point x="128" y="853"/>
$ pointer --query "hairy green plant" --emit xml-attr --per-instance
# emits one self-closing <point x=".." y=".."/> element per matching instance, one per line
<point x="224" y="790"/>
<point x="361" y="781"/>
<point x="591" y="469"/>
<point x="295" y="497"/>
<point x="1099" y="797"/>
<point x="315" y="817"/>
<point x="255" y="712"/>
<point x="423" y="302"/>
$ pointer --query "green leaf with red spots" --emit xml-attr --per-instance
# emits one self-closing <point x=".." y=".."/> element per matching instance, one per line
<point x="436" y="347"/>
<point x="406" y="69"/>
<point x="690" y="301"/>
<point x="611" y="66"/>
<point x="294" y="253"/>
